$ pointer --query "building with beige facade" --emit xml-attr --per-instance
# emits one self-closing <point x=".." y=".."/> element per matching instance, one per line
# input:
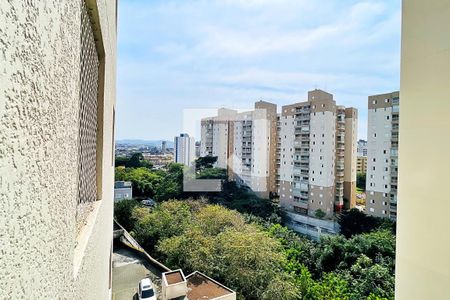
<point x="382" y="155"/>
<point x="57" y="99"/>
<point x="245" y="144"/>
<point x="361" y="164"/>
<point x="316" y="161"/>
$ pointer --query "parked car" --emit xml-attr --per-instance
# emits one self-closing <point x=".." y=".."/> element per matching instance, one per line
<point x="145" y="290"/>
<point x="148" y="202"/>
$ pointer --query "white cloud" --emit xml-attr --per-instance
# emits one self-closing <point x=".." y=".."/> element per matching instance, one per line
<point x="210" y="53"/>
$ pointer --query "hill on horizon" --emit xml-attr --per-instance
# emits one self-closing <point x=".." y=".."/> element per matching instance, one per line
<point x="154" y="143"/>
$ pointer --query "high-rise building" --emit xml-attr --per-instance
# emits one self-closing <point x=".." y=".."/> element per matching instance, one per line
<point x="163" y="147"/>
<point x="317" y="160"/>
<point x="245" y="144"/>
<point x="197" y="149"/>
<point x="57" y="104"/>
<point x="361" y="164"/>
<point x="216" y="138"/>
<point x="184" y="149"/>
<point x="362" y="148"/>
<point x="382" y="155"/>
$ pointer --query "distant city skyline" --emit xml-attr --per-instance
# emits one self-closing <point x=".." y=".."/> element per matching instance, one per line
<point x="231" y="53"/>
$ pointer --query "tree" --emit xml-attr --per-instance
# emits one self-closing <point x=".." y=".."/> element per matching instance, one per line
<point x="320" y="214"/>
<point x="243" y="256"/>
<point x="361" y="181"/>
<point x="354" y="222"/>
<point x="144" y="180"/>
<point x="123" y="213"/>
<point x="135" y="161"/>
<point x="168" y="219"/>
<point x="205" y="162"/>
<point x="171" y="185"/>
<point x="212" y="173"/>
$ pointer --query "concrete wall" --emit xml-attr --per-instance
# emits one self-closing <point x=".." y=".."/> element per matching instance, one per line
<point x="41" y="256"/>
<point x="423" y="241"/>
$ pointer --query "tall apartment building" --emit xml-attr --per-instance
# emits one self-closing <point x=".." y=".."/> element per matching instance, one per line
<point x="184" y="149"/>
<point x="57" y="99"/>
<point x="317" y="159"/>
<point x="382" y="155"/>
<point x="362" y="148"/>
<point x="245" y="144"/>
<point x="216" y="139"/>
<point x="361" y="164"/>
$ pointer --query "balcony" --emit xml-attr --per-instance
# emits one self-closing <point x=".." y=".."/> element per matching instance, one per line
<point x="302" y="117"/>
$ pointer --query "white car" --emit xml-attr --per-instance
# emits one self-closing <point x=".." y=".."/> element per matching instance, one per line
<point x="148" y="202"/>
<point x="145" y="290"/>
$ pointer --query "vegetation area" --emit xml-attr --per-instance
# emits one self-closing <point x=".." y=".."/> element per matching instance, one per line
<point x="235" y="237"/>
<point x="162" y="185"/>
<point x="361" y="181"/>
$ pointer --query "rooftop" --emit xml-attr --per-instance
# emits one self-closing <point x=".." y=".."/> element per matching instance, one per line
<point x="202" y="287"/>
<point x="122" y="184"/>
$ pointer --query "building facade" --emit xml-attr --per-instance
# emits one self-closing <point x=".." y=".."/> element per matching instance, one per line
<point x="245" y="144"/>
<point x="57" y="103"/>
<point x="361" y="164"/>
<point x="382" y="155"/>
<point x="362" y="148"/>
<point x="184" y="149"/>
<point x="317" y="158"/>
<point x="123" y="190"/>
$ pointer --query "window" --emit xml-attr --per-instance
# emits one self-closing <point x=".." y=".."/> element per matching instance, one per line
<point x="372" y="209"/>
<point x="372" y="201"/>
<point x="89" y="107"/>
<point x="374" y="101"/>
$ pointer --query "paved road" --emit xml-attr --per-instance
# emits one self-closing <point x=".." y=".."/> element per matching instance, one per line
<point x="128" y="269"/>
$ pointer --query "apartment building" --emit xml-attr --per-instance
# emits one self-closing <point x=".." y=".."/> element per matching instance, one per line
<point x="216" y="138"/>
<point x="245" y="144"/>
<point x="184" y="149"/>
<point x="382" y="155"/>
<point x="316" y="160"/>
<point x="362" y="148"/>
<point x="57" y="99"/>
<point x="361" y="164"/>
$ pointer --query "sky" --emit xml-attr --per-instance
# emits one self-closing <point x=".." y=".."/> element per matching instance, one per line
<point x="175" y="56"/>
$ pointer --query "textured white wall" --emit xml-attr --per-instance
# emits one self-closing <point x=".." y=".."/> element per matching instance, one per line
<point x="379" y="124"/>
<point x="322" y="124"/>
<point x="39" y="100"/>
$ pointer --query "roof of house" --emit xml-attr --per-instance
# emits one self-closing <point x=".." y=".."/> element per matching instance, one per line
<point x="201" y="287"/>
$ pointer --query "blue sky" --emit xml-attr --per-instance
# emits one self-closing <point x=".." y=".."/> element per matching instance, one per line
<point x="175" y="55"/>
